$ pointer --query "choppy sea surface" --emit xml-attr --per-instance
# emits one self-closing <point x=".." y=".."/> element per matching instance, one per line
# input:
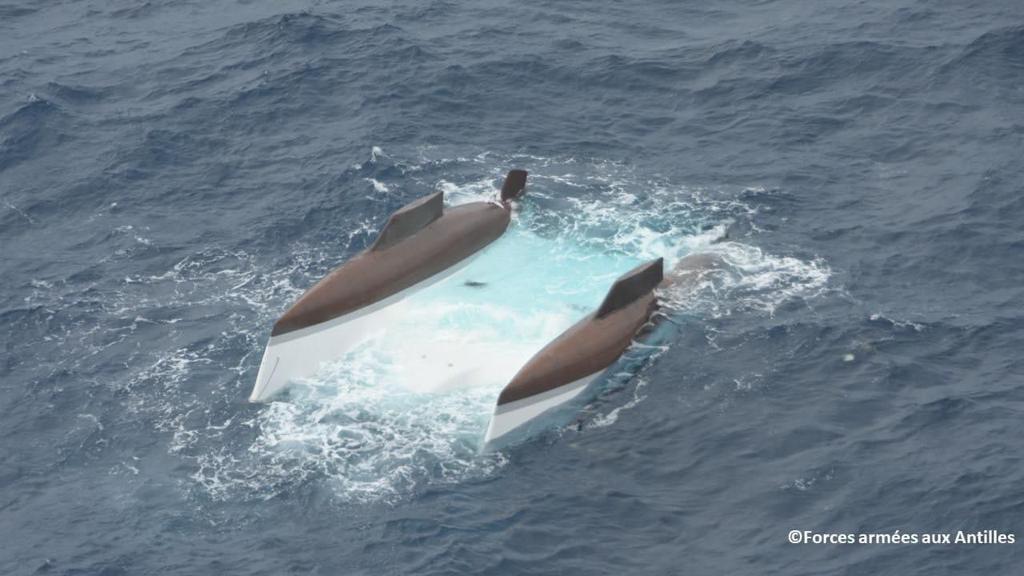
<point x="173" y="174"/>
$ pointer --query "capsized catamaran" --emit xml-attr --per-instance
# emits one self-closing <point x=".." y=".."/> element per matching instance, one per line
<point x="422" y="243"/>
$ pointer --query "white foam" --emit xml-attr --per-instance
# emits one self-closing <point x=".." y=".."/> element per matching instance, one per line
<point x="378" y="186"/>
<point x="751" y="280"/>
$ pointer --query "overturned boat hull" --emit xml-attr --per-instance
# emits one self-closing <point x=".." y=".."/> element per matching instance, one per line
<point x="421" y="244"/>
<point x="557" y="378"/>
<point x="515" y="420"/>
<point x="295" y="355"/>
<point x="564" y="368"/>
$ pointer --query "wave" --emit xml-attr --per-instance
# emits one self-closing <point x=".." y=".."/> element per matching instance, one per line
<point x="32" y="125"/>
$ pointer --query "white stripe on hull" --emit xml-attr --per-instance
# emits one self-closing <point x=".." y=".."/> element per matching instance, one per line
<point x="515" y="415"/>
<point x="301" y="353"/>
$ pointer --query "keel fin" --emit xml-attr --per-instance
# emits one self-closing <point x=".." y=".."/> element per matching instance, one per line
<point x="631" y="286"/>
<point x="515" y="182"/>
<point x="410" y="219"/>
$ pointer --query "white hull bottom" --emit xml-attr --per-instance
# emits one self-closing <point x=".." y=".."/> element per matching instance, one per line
<point x="301" y="353"/>
<point x="518" y="416"/>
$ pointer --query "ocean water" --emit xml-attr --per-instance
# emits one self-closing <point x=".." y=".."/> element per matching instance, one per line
<point x="173" y="174"/>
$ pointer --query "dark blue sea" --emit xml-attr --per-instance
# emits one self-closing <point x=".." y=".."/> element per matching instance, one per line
<point x="173" y="174"/>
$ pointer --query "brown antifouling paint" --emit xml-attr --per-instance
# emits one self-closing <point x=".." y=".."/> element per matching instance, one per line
<point x="632" y="285"/>
<point x="409" y="220"/>
<point x="376" y="274"/>
<point x="420" y="239"/>
<point x="589" y="346"/>
<point x="594" y="343"/>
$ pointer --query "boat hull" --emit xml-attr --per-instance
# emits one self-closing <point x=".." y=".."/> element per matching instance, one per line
<point x="562" y="370"/>
<point x="302" y="353"/>
<point x="522" y="417"/>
